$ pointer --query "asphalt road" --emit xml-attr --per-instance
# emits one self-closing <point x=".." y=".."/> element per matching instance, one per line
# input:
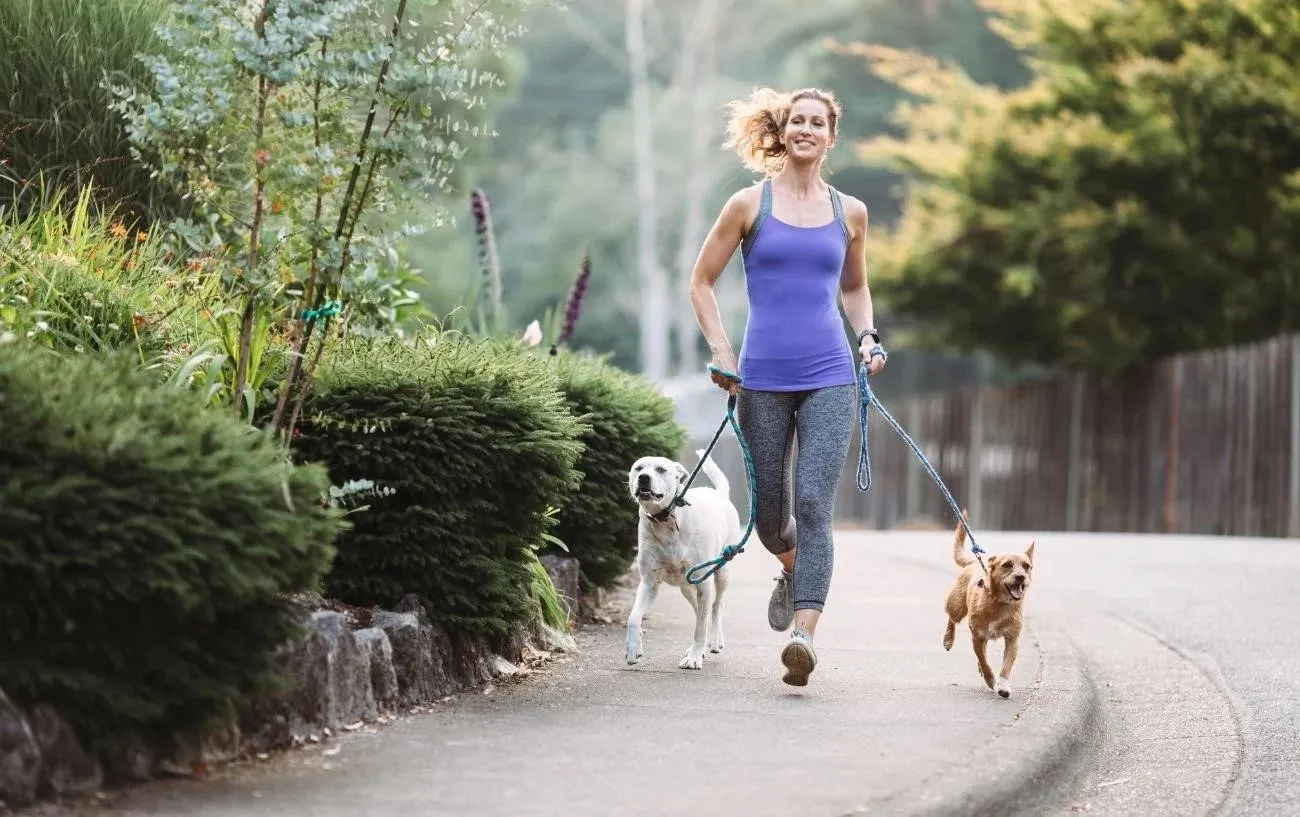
<point x="1228" y="607"/>
<point x="1191" y="643"/>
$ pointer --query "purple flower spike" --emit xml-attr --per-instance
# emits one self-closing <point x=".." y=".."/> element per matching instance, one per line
<point x="489" y="264"/>
<point x="573" y="307"/>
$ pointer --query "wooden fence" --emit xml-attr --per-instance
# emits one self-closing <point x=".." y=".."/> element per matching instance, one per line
<point x="1206" y="443"/>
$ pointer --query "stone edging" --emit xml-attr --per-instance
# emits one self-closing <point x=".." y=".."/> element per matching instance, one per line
<point x="343" y="675"/>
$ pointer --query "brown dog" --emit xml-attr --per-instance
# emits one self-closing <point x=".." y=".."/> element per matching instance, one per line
<point x="994" y="602"/>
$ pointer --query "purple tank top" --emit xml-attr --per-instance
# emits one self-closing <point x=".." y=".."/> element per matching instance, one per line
<point x="795" y="338"/>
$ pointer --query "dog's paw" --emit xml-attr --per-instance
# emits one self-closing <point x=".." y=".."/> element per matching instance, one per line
<point x="634" y="649"/>
<point x="694" y="659"/>
<point x="716" y="642"/>
<point x="1003" y="687"/>
<point x="947" y="641"/>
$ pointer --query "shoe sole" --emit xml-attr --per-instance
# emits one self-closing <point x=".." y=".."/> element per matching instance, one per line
<point x="799" y="663"/>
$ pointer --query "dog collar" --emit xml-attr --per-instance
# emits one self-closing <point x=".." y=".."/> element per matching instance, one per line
<point x="666" y="513"/>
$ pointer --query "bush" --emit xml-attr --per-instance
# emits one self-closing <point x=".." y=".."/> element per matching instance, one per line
<point x="629" y="418"/>
<point x="56" y="125"/>
<point x="146" y="546"/>
<point x="457" y="449"/>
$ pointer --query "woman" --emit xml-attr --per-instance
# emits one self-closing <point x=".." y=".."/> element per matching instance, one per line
<point x="801" y="241"/>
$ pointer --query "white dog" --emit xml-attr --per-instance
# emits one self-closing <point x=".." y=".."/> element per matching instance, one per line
<point x="672" y="538"/>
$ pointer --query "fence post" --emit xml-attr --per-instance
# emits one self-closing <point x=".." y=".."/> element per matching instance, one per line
<point x="975" y="458"/>
<point x="1074" y="462"/>
<point x="1294" y="509"/>
<point x="1251" y="515"/>
<point x="1172" y="452"/>
<point x="911" y="468"/>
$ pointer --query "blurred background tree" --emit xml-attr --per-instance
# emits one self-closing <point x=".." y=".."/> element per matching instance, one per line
<point x="1137" y="199"/>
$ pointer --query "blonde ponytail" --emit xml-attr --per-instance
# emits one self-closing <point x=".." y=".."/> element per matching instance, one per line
<point x="754" y="129"/>
<point x="754" y="125"/>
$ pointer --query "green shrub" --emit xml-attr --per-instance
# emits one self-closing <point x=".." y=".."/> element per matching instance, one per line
<point x="56" y="126"/>
<point x="629" y="418"/>
<point x="146" y="546"/>
<point x="458" y="448"/>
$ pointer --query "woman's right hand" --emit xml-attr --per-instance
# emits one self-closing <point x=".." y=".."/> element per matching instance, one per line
<point x="726" y="362"/>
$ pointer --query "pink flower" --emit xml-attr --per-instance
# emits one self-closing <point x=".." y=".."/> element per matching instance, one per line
<point x="533" y="334"/>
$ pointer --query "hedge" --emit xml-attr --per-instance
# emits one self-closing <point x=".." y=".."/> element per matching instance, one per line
<point x="147" y="546"/>
<point x="628" y="418"/>
<point x="458" y="448"/>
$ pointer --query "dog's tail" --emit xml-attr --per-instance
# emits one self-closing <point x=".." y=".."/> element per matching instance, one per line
<point x="959" y="554"/>
<point x="714" y="473"/>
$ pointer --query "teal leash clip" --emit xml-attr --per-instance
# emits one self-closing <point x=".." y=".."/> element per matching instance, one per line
<point x="328" y="309"/>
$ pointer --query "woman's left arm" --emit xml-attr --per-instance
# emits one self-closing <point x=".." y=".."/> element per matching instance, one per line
<point x="855" y="294"/>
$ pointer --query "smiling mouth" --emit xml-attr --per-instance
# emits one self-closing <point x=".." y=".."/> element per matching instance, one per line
<point x="803" y="143"/>
<point x="1017" y="591"/>
<point x="648" y="494"/>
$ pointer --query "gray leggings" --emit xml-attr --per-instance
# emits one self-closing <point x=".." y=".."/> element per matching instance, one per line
<point x="823" y="419"/>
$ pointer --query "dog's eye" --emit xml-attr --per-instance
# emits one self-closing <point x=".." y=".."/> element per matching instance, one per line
<point x="662" y="470"/>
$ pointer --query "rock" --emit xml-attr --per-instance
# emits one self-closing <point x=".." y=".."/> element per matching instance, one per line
<point x="564" y="575"/>
<point x="189" y="753"/>
<point x="517" y="642"/>
<point x="20" y="756"/>
<point x="378" y="651"/>
<point x="129" y="760"/>
<point x="422" y="655"/>
<point x="477" y="664"/>
<point x="333" y="678"/>
<point x="410" y="603"/>
<point x="66" y="767"/>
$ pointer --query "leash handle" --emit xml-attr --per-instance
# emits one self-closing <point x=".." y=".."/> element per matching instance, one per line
<point x="869" y="401"/>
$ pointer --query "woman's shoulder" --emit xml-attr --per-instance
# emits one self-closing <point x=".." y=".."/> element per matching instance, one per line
<point x="852" y="204"/>
<point x="747" y="198"/>
<point x="855" y="209"/>
<point x="742" y="205"/>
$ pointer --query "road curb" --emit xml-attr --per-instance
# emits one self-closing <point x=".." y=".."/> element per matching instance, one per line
<point x="1023" y="769"/>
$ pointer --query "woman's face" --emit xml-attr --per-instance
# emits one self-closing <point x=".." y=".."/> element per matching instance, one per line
<point x="808" y="130"/>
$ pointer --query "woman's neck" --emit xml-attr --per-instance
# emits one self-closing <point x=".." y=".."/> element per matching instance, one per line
<point x="803" y="181"/>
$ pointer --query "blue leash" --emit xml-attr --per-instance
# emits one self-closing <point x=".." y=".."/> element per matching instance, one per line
<point x="729" y="552"/>
<point x="869" y="400"/>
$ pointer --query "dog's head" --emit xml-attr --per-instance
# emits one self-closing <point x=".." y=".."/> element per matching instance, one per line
<point x="654" y="481"/>
<point x="1012" y="573"/>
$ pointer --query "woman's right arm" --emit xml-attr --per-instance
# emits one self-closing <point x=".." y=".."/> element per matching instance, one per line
<point x="720" y="244"/>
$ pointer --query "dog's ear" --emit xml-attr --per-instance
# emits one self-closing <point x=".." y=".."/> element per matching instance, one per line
<point x="1029" y="552"/>
<point x="682" y="474"/>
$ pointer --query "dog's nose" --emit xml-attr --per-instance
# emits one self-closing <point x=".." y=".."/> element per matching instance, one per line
<point x="643" y="479"/>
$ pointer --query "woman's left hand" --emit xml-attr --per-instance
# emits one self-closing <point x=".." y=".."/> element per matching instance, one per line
<point x="873" y="354"/>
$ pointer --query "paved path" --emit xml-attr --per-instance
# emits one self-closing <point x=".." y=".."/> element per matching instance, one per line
<point x="1189" y="644"/>
<point x="887" y="709"/>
